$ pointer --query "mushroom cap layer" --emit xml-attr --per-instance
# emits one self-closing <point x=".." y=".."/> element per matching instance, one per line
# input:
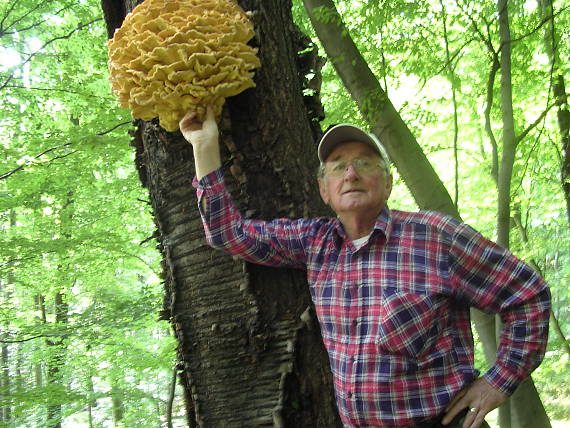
<point x="172" y="56"/>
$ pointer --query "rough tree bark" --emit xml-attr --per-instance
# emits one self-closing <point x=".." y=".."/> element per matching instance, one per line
<point x="250" y="350"/>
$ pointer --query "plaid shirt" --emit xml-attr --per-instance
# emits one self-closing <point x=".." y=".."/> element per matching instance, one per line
<point x="394" y="314"/>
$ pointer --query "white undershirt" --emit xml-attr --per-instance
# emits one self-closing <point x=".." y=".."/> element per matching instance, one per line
<point x="358" y="243"/>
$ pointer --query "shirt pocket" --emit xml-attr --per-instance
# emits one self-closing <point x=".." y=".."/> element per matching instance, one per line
<point x="408" y="324"/>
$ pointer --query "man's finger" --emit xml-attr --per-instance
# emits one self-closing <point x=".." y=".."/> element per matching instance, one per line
<point x="452" y="412"/>
<point x="474" y="418"/>
<point x="189" y="123"/>
<point x="188" y="117"/>
<point x="457" y="397"/>
<point x="470" y="417"/>
<point x="210" y="113"/>
<point x="454" y="408"/>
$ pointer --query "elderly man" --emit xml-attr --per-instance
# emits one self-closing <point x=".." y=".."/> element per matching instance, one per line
<point x="392" y="289"/>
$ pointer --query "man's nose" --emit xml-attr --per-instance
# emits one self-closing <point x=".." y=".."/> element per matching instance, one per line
<point x="350" y="172"/>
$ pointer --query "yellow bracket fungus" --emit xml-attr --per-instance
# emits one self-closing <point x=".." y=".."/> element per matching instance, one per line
<point x="172" y="56"/>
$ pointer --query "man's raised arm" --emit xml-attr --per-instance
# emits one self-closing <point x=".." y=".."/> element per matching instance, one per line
<point x="204" y="139"/>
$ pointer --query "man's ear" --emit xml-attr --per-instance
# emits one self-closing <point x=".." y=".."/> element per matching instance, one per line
<point x="389" y="183"/>
<point x="323" y="190"/>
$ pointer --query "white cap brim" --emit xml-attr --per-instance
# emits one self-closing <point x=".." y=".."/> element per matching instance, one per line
<point x="344" y="133"/>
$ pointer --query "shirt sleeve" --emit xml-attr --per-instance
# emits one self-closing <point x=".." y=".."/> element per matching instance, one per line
<point x="493" y="280"/>
<point x="280" y="242"/>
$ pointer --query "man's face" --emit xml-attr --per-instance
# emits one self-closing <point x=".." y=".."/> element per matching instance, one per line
<point x="363" y="187"/>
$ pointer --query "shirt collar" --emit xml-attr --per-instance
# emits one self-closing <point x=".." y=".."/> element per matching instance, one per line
<point x="383" y="224"/>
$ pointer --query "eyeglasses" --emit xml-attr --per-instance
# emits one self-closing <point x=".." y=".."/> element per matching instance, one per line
<point x="337" y="169"/>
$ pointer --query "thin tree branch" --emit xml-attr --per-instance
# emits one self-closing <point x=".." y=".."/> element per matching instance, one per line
<point x="12" y="6"/>
<point x="451" y="76"/>
<point x="23" y="340"/>
<point x="36" y="24"/>
<point x="539" y="26"/>
<point x="487" y="40"/>
<point x="57" y="90"/>
<point x="100" y="134"/>
<point x="45" y="152"/>
<point x="29" y="12"/>
<point x="533" y="125"/>
<point x="489" y="105"/>
<point x="452" y="57"/>
<point x="66" y="36"/>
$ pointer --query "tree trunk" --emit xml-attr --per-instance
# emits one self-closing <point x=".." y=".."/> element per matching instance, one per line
<point x="507" y="158"/>
<point x="40" y="304"/>
<point x="6" y="387"/>
<point x="525" y="409"/>
<point x="58" y="345"/>
<point x="551" y="46"/>
<point x="170" y="399"/>
<point x="452" y="81"/>
<point x="92" y="403"/>
<point x="57" y="361"/>
<point x="509" y="137"/>
<point x="118" y="406"/>
<point x="249" y="348"/>
<point x="5" y="412"/>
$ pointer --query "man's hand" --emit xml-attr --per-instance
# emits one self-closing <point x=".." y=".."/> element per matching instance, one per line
<point x="204" y="139"/>
<point x="480" y="398"/>
<point x="198" y="133"/>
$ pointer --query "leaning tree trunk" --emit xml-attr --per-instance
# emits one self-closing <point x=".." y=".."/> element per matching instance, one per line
<point x="375" y="106"/>
<point x="250" y="352"/>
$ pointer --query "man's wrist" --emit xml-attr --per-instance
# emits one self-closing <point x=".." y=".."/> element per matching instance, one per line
<point x="502" y="380"/>
<point x="207" y="159"/>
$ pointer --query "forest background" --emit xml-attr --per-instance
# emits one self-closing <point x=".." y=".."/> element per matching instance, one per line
<point x="80" y="283"/>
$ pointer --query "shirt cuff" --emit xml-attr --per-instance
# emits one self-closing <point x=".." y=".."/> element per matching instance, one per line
<point x="502" y="379"/>
<point x="213" y="182"/>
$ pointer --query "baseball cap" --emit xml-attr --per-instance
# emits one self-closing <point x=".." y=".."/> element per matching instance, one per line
<point x="346" y="132"/>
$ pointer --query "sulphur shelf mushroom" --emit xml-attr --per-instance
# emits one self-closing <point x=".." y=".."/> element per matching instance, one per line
<point x="172" y="56"/>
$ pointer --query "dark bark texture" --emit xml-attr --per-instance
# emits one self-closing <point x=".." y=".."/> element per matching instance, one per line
<point x="250" y="350"/>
